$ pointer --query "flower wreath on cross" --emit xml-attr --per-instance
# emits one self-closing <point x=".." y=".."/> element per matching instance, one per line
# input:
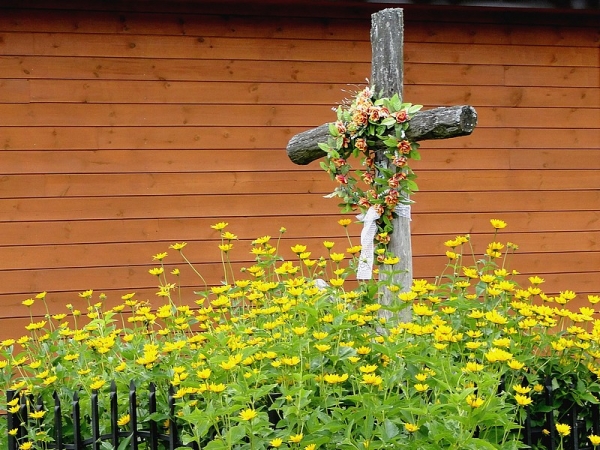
<point x="373" y="131"/>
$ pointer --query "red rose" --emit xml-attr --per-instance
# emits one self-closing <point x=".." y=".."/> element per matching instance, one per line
<point x="401" y="116"/>
<point x="361" y="144"/>
<point x="341" y="128"/>
<point x="342" y="179"/>
<point x="404" y="147"/>
<point x="379" y="209"/>
<point x="360" y="118"/>
<point x="338" y="162"/>
<point x="400" y="161"/>
<point x="364" y="202"/>
<point x="374" y="114"/>
<point x="368" y="177"/>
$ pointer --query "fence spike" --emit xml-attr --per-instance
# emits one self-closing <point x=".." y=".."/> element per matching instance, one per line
<point x="153" y="438"/>
<point x="58" y="434"/>
<point x="11" y="421"/>
<point x="77" y="440"/>
<point x="133" y="415"/>
<point x="95" y="420"/>
<point x="114" y="415"/>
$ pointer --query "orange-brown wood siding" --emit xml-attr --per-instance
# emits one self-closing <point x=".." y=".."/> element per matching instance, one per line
<point x="123" y="131"/>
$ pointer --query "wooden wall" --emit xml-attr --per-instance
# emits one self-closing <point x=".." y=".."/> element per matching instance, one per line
<point x="123" y="131"/>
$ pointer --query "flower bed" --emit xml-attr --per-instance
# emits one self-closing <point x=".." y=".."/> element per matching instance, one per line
<point x="274" y="358"/>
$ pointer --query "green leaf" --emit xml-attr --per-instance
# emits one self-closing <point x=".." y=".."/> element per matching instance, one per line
<point x="236" y="434"/>
<point x="333" y="130"/>
<point x="390" y="430"/>
<point x="324" y="147"/>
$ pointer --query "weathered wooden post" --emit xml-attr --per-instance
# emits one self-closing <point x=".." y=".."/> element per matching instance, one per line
<point x="387" y="35"/>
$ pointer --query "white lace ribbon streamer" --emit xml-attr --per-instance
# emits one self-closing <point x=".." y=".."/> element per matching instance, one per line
<point x="367" y="235"/>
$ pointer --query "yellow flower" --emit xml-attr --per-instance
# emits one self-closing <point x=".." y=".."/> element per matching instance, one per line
<point x="295" y="438"/>
<point x="322" y="347"/>
<point x="515" y="365"/>
<point x="345" y="222"/>
<point x="225" y="247"/>
<point x="97" y="384"/>
<point x="420" y="387"/>
<point x="334" y="378"/>
<point x="473" y="401"/>
<point x="86" y="294"/>
<point x="337" y="282"/>
<point x="521" y="389"/>
<point x="472" y="366"/>
<point x="248" y="414"/>
<point x="337" y="257"/>
<point x="37" y="414"/>
<point x="219" y="226"/>
<point x="310" y="447"/>
<point x="523" y="400"/>
<point x="369" y="368"/>
<point x="496" y="354"/>
<point x="498" y="224"/>
<point x="594" y="440"/>
<point x="372" y="379"/>
<point x="156" y="271"/>
<point x="13" y="432"/>
<point x="328" y="244"/>
<point x="298" y="248"/>
<point x="26" y="445"/>
<point x="159" y="256"/>
<point x="123" y="420"/>
<point x="276" y="442"/>
<point x="563" y="429"/>
<point x="229" y="236"/>
<point x="28" y="302"/>
<point x="178" y="246"/>
<point x="320" y="335"/>
<point x="411" y="427"/>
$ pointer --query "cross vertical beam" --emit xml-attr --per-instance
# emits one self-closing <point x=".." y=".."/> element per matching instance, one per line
<point x="387" y="71"/>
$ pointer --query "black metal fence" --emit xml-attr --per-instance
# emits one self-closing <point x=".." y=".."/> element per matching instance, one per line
<point x="539" y="430"/>
<point x="149" y="432"/>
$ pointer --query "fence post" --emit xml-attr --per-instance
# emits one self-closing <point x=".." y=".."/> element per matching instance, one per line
<point x="77" y="440"/>
<point x="133" y="415"/>
<point x="153" y="438"/>
<point x="11" y="423"/>
<point x="58" y="436"/>
<point x="95" y="420"/>
<point x="114" y="415"/>
<point x="173" y="441"/>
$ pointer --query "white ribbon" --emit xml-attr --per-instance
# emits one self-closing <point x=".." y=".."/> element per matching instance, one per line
<point x="367" y="236"/>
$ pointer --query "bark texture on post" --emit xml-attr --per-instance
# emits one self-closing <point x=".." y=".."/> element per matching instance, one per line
<point x="387" y="69"/>
<point x="438" y="123"/>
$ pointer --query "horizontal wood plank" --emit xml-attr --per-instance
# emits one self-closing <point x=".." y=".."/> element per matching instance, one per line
<point x="48" y="114"/>
<point x="284" y="182"/>
<point x="269" y="49"/>
<point x="170" y="231"/>
<point x="178" y="206"/>
<point x="109" y="22"/>
<point x="222" y="93"/>
<point x="219" y="138"/>
<point x="25" y="257"/>
<point x="134" y="278"/>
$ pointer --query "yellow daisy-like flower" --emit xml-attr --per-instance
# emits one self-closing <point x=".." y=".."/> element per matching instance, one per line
<point x="523" y="400"/>
<point x="473" y="401"/>
<point x="369" y="368"/>
<point x="345" y="222"/>
<point x="248" y="414"/>
<point x="498" y="224"/>
<point x="276" y="442"/>
<point x="219" y="226"/>
<point x="159" y="256"/>
<point x="322" y="347"/>
<point x="178" y="246"/>
<point x="299" y="248"/>
<point x="328" y="244"/>
<point x="594" y="440"/>
<point x="421" y="387"/>
<point x="371" y="379"/>
<point x="26" y="445"/>
<point x="37" y="414"/>
<point x="97" y="384"/>
<point x="123" y="420"/>
<point x="563" y="429"/>
<point x="28" y="302"/>
<point x="310" y="447"/>
<point x="521" y="389"/>
<point x="411" y="427"/>
<point x="295" y="438"/>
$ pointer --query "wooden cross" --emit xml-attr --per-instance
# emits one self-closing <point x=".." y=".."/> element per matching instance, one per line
<point x="387" y="35"/>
